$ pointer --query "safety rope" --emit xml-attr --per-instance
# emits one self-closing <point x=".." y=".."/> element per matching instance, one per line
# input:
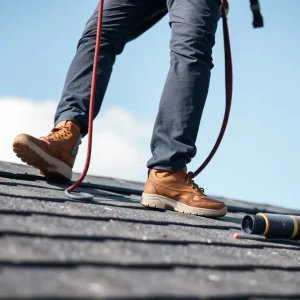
<point x="228" y="84"/>
<point x="91" y="113"/>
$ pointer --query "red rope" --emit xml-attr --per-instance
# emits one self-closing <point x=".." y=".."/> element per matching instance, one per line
<point x="228" y="83"/>
<point x="228" y="86"/>
<point x="92" y="98"/>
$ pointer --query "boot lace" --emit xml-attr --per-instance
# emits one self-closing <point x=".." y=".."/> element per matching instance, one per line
<point x="58" y="133"/>
<point x="190" y="181"/>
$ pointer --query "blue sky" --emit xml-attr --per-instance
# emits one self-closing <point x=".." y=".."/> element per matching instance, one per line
<point x="259" y="158"/>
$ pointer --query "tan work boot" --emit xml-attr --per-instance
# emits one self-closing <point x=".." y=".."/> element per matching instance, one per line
<point x="54" y="155"/>
<point x="176" y="190"/>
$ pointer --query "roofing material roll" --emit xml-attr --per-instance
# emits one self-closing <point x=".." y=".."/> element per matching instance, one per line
<point x="272" y="225"/>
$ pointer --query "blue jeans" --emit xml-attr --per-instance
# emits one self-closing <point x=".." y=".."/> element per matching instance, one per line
<point x="193" y="25"/>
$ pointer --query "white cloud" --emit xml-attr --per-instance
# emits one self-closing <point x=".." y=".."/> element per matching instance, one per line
<point x="120" y="141"/>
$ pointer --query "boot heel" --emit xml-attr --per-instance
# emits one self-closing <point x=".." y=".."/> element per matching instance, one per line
<point x="152" y="200"/>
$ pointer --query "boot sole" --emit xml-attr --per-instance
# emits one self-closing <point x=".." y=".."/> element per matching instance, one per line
<point x="34" y="156"/>
<point x="161" y="202"/>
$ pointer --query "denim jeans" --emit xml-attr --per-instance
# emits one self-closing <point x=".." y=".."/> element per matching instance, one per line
<point x="193" y="25"/>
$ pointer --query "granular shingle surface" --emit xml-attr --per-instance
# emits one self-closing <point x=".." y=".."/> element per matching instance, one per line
<point x="113" y="248"/>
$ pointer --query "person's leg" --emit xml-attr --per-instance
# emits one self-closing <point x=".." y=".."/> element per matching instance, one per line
<point x="193" y="24"/>
<point x="123" y="20"/>
<point x="169" y="186"/>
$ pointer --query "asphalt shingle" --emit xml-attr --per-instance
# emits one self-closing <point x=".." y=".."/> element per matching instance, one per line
<point x="113" y="248"/>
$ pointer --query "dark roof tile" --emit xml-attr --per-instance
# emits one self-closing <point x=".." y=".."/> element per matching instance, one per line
<point x="112" y="247"/>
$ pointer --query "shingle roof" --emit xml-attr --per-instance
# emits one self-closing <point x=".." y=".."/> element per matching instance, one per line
<point x="113" y="248"/>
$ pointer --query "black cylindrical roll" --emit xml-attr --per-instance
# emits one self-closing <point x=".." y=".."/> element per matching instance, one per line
<point x="272" y="225"/>
<point x="281" y="226"/>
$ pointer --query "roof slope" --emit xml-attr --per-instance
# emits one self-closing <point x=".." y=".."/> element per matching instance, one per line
<point x="113" y="248"/>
